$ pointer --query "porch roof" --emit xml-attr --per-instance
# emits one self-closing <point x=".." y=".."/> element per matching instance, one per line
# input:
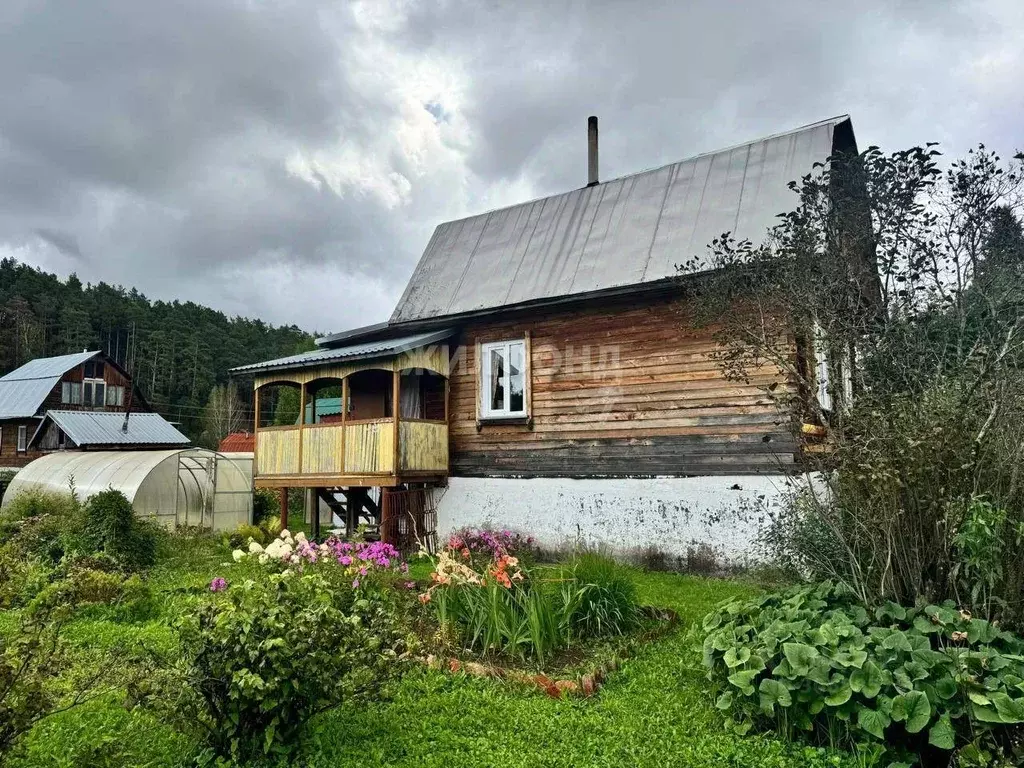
<point x="366" y="350"/>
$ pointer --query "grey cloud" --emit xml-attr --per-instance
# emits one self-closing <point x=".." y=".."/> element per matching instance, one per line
<point x="147" y="143"/>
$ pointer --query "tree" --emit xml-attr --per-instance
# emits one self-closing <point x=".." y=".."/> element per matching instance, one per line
<point x="224" y="414"/>
<point x="286" y="412"/>
<point x="904" y="279"/>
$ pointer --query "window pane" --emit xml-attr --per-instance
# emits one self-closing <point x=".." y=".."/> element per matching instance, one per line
<point x="22" y="438"/>
<point x="98" y="370"/>
<point x="87" y="393"/>
<point x="88" y="370"/>
<point x="120" y="395"/>
<point x="516" y="379"/>
<point x="99" y="389"/>
<point x="65" y="392"/>
<point x="76" y="393"/>
<point x="498" y="380"/>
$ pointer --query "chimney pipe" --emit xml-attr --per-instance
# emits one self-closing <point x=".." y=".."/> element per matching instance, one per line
<point x="592" y="150"/>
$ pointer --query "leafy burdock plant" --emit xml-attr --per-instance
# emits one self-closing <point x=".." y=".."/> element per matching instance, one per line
<point x="927" y="681"/>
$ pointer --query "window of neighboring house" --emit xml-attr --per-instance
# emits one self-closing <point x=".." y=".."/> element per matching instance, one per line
<point x="503" y="379"/>
<point x="115" y="395"/>
<point x="71" y="393"/>
<point x="22" y="438"/>
<point x="94" y="388"/>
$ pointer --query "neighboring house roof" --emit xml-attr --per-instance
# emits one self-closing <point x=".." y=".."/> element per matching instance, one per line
<point x="325" y="406"/>
<point x="23" y="390"/>
<point x="630" y="231"/>
<point x="371" y="349"/>
<point x="103" y="428"/>
<point x="238" y="442"/>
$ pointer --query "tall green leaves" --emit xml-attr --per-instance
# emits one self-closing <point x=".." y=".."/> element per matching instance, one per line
<point x="812" y="660"/>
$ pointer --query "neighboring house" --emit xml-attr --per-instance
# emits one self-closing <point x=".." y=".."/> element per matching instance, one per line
<point x="238" y="442"/>
<point x="84" y="381"/>
<point x="105" y="431"/>
<point x="544" y="365"/>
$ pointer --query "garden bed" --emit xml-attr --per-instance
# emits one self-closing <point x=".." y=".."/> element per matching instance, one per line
<point x="580" y="670"/>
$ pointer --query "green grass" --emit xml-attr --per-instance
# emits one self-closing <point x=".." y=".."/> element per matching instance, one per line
<point x="654" y="712"/>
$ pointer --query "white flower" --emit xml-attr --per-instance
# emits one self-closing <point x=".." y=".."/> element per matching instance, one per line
<point x="286" y="534"/>
<point x="263" y="558"/>
<point x="238" y="555"/>
<point x="300" y="536"/>
<point x="254" y="547"/>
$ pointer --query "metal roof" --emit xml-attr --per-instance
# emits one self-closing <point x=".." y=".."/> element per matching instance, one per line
<point x="370" y="349"/>
<point x="625" y="232"/>
<point x="86" y="428"/>
<point x="23" y="390"/>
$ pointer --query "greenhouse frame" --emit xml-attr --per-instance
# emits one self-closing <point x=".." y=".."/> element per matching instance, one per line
<point x="190" y="487"/>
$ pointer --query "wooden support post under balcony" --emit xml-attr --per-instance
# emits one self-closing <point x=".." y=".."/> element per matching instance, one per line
<point x="284" y="508"/>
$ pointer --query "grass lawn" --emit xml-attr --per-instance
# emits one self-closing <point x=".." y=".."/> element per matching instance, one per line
<point x="655" y="711"/>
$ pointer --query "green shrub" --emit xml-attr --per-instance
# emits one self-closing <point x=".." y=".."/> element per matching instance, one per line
<point x="265" y="506"/>
<point x="924" y="681"/>
<point x="243" y="534"/>
<point x="607" y="603"/>
<point x="109" y="525"/>
<point x="266" y="655"/>
<point x="35" y="522"/>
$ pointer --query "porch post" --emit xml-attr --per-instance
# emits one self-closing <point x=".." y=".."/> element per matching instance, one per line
<point x="344" y="418"/>
<point x="302" y="419"/>
<point x="395" y="410"/>
<point x="284" y="508"/>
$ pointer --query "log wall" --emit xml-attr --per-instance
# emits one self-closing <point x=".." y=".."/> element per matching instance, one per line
<point x="618" y="392"/>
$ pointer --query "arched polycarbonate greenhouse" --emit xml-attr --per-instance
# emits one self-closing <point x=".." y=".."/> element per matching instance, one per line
<point x="193" y="487"/>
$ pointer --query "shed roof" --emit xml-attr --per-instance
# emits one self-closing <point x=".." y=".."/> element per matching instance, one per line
<point x="365" y="350"/>
<point x="23" y="390"/>
<point x="103" y="428"/>
<point x="629" y="231"/>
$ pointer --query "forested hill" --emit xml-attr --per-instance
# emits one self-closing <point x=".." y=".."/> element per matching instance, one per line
<point x="176" y="351"/>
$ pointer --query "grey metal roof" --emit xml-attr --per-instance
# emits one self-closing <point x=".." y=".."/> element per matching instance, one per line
<point x="625" y="232"/>
<point x="23" y="390"/>
<point x="369" y="349"/>
<point x="86" y="428"/>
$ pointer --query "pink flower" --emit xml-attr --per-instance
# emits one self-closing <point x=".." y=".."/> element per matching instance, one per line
<point x="219" y="584"/>
<point x="345" y="560"/>
<point x="410" y="585"/>
<point x="355" y="584"/>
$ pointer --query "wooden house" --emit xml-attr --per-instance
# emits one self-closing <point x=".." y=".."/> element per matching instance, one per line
<point x="544" y="367"/>
<point x="84" y="381"/>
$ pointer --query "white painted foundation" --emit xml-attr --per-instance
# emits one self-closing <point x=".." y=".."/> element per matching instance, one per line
<point x="674" y="515"/>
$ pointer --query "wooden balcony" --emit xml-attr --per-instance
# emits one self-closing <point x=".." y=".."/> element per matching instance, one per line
<point x="365" y="452"/>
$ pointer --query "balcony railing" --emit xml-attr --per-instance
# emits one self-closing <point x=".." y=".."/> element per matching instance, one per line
<point x="355" y="448"/>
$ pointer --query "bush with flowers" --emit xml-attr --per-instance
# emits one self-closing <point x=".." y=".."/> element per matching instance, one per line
<point x="502" y="607"/>
<point x="483" y="545"/>
<point x="358" y="563"/>
<point x="290" y="632"/>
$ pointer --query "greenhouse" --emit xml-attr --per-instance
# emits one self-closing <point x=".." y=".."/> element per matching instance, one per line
<point x="191" y="487"/>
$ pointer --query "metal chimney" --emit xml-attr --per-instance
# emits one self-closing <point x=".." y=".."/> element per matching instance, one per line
<point x="592" y="150"/>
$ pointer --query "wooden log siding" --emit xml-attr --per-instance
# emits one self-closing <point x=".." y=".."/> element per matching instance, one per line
<point x="616" y="392"/>
<point x="423" y="445"/>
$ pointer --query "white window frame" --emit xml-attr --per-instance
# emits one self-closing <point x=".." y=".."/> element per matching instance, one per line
<point x="71" y="393"/>
<point x="505" y="412"/>
<point x="22" y="438"/>
<point x="114" y="396"/>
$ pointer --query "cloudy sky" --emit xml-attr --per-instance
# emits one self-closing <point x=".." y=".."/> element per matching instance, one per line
<point x="288" y="159"/>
